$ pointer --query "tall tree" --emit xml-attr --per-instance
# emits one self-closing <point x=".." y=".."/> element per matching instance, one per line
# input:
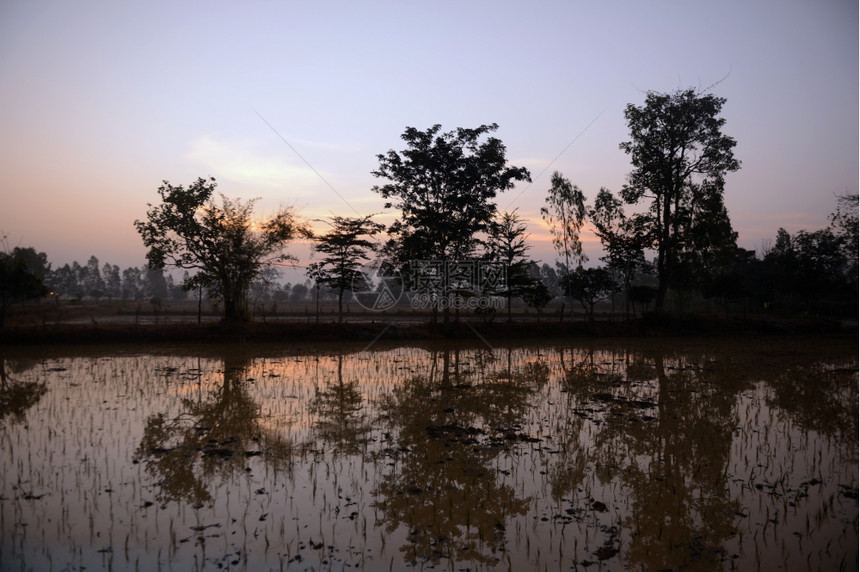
<point x="344" y="248"/>
<point x="565" y="214"/>
<point x="63" y="281"/>
<point x="222" y="242"/>
<point x="111" y="280"/>
<point x="506" y="242"/>
<point x="680" y="157"/>
<point x="94" y="286"/>
<point x="444" y="185"/>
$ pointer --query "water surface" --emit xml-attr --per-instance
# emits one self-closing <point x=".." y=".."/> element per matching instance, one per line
<point x="556" y="455"/>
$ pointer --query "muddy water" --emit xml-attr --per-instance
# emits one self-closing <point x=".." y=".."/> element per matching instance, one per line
<point x="623" y="455"/>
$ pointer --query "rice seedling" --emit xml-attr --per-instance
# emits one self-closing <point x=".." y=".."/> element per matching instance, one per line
<point x="637" y="449"/>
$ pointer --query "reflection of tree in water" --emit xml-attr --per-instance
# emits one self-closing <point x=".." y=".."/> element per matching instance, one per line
<point x="682" y="513"/>
<point x="582" y="376"/>
<point x="16" y="397"/>
<point x="821" y="398"/>
<point x="339" y="408"/>
<point x="214" y="435"/>
<point x="669" y="441"/>
<point x="447" y="429"/>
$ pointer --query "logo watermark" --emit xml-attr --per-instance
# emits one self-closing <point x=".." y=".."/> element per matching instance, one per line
<point x="377" y="290"/>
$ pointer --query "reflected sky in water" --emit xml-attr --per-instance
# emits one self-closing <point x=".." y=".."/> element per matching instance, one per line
<point x="658" y="455"/>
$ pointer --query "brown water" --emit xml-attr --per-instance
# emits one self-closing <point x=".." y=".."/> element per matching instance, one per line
<point x="550" y="456"/>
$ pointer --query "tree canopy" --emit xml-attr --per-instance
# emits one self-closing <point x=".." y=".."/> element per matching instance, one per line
<point x="222" y="242"/>
<point x="680" y="157"/>
<point x="444" y="184"/>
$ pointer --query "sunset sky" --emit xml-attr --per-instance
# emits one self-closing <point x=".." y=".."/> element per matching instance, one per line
<point x="101" y="101"/>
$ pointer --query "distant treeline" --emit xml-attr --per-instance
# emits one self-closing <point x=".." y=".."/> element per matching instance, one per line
<point x="95" y="281"/>
<point x="808" y="272"/>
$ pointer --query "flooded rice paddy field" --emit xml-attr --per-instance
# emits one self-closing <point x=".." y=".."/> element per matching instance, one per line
<point x="550" y="456"/>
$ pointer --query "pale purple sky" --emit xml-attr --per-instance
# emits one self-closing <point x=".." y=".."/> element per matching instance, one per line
<point x="101" y="101"/>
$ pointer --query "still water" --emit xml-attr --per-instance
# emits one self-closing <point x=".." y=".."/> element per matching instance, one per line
<point x="681" y="454"/>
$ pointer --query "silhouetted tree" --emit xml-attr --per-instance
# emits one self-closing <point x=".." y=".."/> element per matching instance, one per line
<point x="735" y="277"/>
<point x="506" y="242"/>
<point x="20" y="278"/>
<point x="62" y="281"/>
<point x="94" y="286"/>
<point x="344" y="249"/>
<point x="444" y="185"/>
<point x="680" y="158"/>
<point x="565" y="214"/>
<point x="819" y="265"/>
<point x="642" y="295"/>
<point x="298" y="293"/>
<point x="589" y="286"/>
<point x="36" y="262"/>
<point x="811" y="267"/>
<point x="549" y="277"/>
<point x="537" y="296"/>
<point x="132" y="283"/>
<point x="222" y="242"/>
<point x="710" y="248"/>
<point x="112" y="281"/>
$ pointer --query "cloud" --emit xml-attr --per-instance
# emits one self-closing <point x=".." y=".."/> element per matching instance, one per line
<point x="245" y="162"/>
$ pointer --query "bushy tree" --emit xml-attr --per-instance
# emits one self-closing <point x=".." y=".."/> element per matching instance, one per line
<point x="680" y="158"/>
<point x="21" y="277"/>
<point x="537" y="296"/>
<point x="443" y="184"/>
<point x="809" y="266"/>
<point x="299" y="293"/>
<point x="222" y="242"/>
<point x="589" y="286"/>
